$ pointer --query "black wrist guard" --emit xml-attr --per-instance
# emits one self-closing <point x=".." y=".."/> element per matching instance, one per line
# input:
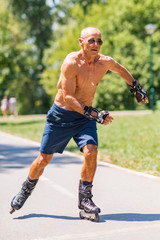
<point x="138" y="91"/>
<point x="101" y="115"/>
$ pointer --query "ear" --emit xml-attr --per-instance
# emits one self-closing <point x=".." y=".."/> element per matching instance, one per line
<point x="80" y="41"/>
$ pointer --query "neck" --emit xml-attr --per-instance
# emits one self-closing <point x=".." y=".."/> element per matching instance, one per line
<point x="89" y="59"/>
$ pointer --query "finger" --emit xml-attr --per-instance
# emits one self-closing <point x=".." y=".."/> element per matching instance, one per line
<point x="109" y="119"/>
<point x="106" y="122"/>
<point x="146" y="100"/>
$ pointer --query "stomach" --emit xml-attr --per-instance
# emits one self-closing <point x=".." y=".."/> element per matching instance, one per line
<point x="84" y="97"/>
<point x="60" y="101"/>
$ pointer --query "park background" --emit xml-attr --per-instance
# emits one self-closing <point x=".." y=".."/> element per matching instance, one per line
<point x="35" y="37"/>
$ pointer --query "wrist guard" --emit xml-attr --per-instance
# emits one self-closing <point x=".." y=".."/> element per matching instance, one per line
<point x="101" y="115"/>
<point x="138" y="91"/>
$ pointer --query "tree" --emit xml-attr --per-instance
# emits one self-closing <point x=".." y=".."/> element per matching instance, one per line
<point x="63" y="9"/>
<point x="33" y="23"/>
<point x="122" y="26"/>
<point x="18" y="60"/>
<point x="37" y="14"/>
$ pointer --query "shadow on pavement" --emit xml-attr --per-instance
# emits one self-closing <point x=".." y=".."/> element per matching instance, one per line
<point x="130" y="217"/>
<point x="35" y="215"/>
<point x="12" y="157"/>
<point x="127" y="217"/>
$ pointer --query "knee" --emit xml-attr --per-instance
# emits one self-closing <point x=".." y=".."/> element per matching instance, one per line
<point x="90" y="151"/>
<point x="43" y="160"/>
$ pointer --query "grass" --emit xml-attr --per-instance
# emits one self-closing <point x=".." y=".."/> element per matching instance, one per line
<point x="133" y="142"/>
<point x="130" y="141"/>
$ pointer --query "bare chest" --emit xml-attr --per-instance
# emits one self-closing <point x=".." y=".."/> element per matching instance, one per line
<point x="89" y="76"/>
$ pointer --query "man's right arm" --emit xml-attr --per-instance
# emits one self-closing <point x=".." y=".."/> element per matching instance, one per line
<point x="68" y="77"/>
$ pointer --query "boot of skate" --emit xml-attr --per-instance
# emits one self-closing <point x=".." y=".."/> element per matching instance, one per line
<point x="19" y="200"/>
<point x="85" y="200"/>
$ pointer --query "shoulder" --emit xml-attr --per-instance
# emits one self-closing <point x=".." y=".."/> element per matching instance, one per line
<point x="70" y="62"/>
<point x="106" y="59"/>
<point x="69" y="66"/>
<point x="71" y="58"/>
<point x="108" y="62"/>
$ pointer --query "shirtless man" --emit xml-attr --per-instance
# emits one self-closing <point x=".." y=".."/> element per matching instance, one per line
<point x="72" y="115"/>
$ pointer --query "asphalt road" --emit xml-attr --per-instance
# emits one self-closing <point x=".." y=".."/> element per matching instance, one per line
<point x="130" y="202"/>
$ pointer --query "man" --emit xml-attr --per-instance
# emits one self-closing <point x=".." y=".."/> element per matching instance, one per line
<point x="12" y="106"/>
<point x="4" y="106"/>
<point x="72" y="116"/>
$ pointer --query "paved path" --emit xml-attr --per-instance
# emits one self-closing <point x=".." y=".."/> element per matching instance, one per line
<point x="130" y="202"/>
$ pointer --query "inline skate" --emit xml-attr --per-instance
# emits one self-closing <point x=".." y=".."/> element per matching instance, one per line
<point x="88" y="208"/>
<point x="21" y="197"/>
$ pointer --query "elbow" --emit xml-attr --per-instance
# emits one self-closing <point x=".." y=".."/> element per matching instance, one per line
<point x="67" y="98"/>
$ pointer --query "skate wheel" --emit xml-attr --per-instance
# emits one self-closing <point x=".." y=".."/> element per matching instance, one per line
<point x="97" y="218"/>
<point x="12" y="210"/>
<point x="89" y="216"/>
<point x="81" y="216"/>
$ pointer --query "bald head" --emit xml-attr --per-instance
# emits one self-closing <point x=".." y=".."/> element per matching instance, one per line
<point x="89" y="31"/>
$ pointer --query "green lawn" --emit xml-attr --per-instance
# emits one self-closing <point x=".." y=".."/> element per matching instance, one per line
<point x="130" y="141"/>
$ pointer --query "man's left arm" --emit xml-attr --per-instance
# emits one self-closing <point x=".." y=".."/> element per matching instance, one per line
<point x="135" y="87"/>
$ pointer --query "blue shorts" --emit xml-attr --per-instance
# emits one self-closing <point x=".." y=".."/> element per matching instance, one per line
<point x="62" y="125"/>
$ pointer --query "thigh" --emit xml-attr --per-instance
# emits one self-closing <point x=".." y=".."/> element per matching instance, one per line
<point x="55" y="139"/>
<point x="87" y="135"/>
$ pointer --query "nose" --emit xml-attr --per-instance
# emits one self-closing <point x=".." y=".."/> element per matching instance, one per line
<point x="96" y="45"/>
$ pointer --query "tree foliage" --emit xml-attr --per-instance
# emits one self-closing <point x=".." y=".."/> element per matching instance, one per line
<point x="35" y="39"/>
<point x="27" y="32"/>
<point x="122" y="26"/>
<point x="16" y="59"/>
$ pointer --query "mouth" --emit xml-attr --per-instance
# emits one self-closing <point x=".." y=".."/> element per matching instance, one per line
<point x="94" y="50"/>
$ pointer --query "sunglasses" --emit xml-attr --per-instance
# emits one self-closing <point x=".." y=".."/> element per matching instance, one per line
<point x="93" y="41"/>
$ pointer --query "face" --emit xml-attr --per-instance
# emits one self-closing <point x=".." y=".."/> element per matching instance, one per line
<point x="91" y="42"/>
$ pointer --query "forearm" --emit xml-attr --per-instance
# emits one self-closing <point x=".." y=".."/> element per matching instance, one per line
<point x="125" y="74"/>
<point x="74" y="103"/>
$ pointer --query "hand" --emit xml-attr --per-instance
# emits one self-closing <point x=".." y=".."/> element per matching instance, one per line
<point x="93" y="113"/>
<point x="100" y="116"/>
<point x="108" y="120"/>
<point x="144" y="100"/>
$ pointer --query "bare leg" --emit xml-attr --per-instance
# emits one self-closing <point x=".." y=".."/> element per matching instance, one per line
<point x="37" y="167"/>
<point x="88" y="208"/>
<point x="90" y="162"/>
<point x="4" y="113"/>
<point x="36" y="170"/>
